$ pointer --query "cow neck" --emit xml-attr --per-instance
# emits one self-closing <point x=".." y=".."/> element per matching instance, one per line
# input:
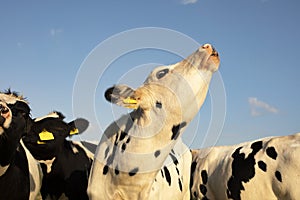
<point x="134" y="154"/>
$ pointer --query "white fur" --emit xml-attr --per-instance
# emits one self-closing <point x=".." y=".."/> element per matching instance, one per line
<point x="48" y="163"/>
<point x="35" y="173"/>
<point x="52" y="115"/>
<point x="217" y="161"/>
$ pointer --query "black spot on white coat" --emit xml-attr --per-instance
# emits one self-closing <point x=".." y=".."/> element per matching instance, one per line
<point x="122" y="136"/>
<point x="105" y="170"/>
<point x="204" y="176"/>
<point x="133" y="171"/>
<point x="193" y="168"/>
<point x="175" y="161"/>
<point x="278" y="176"/>
<point x="271" y="152"/>
<point x="167" y="175"/>
<point x="203" y="189"/>
<point x="242" y="170"/>
<point x="158" y="105"/>
<point x="176" y="130"/>
<point x="262" y="165"/>
<point x="180" y="184"/>
<point x="157" y="153"/>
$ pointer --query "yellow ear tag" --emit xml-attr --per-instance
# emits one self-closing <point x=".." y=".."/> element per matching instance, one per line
<point x="130" y="103"/>
<point x="74" y="131"/>
<point x="39" y="142"/>
<point x="45" y="135"/>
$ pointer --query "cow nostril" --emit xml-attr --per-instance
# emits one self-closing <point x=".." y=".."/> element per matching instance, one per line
<point x="206" y="46"/>
<point x="4" y="111"/>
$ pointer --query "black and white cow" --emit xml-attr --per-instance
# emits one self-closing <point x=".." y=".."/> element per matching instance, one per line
<point x="65" y="164"/>
<point x="20" y="173"/>
<point x="134" y="148"/>
<point x="267" y="168"/>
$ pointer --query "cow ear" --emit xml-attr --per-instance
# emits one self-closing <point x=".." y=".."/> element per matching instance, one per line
<point x="78" y="126"/>
<point x="122" y="95"/>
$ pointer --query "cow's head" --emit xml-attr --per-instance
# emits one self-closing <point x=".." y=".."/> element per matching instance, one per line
<point x="176" y="91"/>
<point x="14" y="112"/>
<point x="47" y="134"/>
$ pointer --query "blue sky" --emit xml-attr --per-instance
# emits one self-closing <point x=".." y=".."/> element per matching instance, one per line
<point x="43" y="44"/>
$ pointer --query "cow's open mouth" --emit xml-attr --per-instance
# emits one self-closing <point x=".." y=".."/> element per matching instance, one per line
<point x="214" y="52"/>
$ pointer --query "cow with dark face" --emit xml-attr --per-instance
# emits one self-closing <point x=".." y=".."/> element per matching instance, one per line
<point x="65" y="164"/>
<point x="20" y="175"/>
<point x="267" y="168"/>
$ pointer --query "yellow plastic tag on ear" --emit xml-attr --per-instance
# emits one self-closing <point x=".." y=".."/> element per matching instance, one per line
<point x="45" y="135"/>
<point x="74" y="131"/>
<point x="39" y="142"/>
<point x="129" y="100"/>
<point x="130" y="103"/>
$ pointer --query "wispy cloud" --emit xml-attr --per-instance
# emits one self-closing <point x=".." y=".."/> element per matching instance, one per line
<point x="185" y="2"/>
<point x="55" y="31"/>
<point x="259" y="107"/>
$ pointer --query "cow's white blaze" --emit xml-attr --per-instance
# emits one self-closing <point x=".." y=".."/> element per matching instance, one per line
<point x="48" y="164"/>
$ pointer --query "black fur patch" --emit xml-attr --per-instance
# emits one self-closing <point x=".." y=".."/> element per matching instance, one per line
<point x="271" y="152"/>
<point x="176" y="130"/>
<point x="133" y="171"/>
<point x="177" y="170"/>
<point x="242" y="170"/>
<point x="203" y="189"/>
<point x="123" y="147"/>
<point x="157" y="153"/>
<point x="117" y="171"/>
<point x="167" y="175"/>
<point x="105" y="170"/>
<point x="193" y="168"/>
<point x="106" y="152"/>
<point x="195" y="194"/>
<point x="180" y="184"/>
<point x="122" y="136"/>
<point x="204" y="176"/>
<point x="278" y="176"/>
<point x="262" y="165"/>
<point x="175" y="161"/>
<point x="158" y="104"/>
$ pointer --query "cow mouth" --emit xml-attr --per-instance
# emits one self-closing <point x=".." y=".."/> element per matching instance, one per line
<point x="213" y="54"/>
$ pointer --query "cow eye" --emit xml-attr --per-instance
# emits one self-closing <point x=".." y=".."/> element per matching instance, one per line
<point x="161" y="73"/>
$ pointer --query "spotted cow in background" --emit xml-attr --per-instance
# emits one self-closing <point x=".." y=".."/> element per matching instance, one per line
<point x="267" y="168"/>
<point x="134" y="148"/>
<point x="20" y="173"/>
<point x="65" y="164"/>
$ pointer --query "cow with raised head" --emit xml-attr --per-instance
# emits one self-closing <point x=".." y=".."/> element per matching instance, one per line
<point x="66" y="164"/>
<point x="134" y="148"/>
<point x="267" y="168"/>
<point x="20" y="174"/>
